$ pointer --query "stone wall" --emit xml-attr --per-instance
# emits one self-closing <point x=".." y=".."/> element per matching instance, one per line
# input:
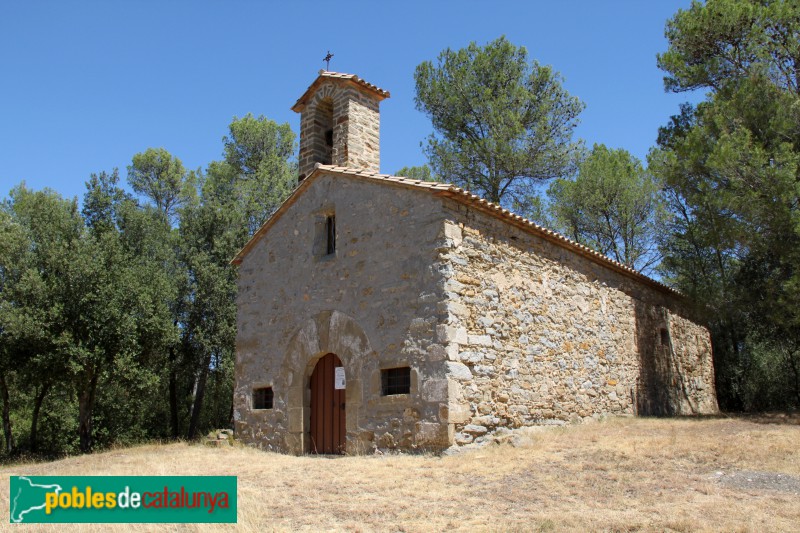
<point x="375" y="303"/>
<point x="363" y="134"/>
<point x="537" y="334"/>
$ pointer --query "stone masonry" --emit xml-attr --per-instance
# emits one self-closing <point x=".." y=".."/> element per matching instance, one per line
<point x="500" y="323"/>
<point x="339" y="123"/>
<point x="375" y="304"/>
<point x="536" y="335"/>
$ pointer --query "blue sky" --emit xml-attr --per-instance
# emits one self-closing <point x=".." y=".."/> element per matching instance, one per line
<point x="84" y="85"/>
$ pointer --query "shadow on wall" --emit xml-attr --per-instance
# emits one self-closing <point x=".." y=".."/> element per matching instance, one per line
<point x="660" y="385"/>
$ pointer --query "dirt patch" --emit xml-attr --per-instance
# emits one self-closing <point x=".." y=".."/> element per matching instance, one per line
<point x="750" y="480"/>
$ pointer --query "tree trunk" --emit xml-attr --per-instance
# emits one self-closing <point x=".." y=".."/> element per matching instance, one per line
<point x="85" y="406"/>
<point x="6" y="414"/>
<point x="735" y="398"/>
<point x="173" y="393"/>
<point x="35" y="418"/>
<point x="200" y="391"/>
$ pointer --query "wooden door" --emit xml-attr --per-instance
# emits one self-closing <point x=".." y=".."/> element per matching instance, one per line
<point x="327" y="408"/>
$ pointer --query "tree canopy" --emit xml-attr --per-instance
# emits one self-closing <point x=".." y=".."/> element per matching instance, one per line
<point x="161" y="178"/>
<point x="720" y="42"/>
<point x="731" y="167"/>
<point x="422" y="172"/>
<point x="502" y="122"/>
<point x="613" y="205"/>
<point x="117" y="320"/>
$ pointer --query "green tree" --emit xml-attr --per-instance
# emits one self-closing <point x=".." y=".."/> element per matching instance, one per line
<point x="210" y="235"/>
<point x="154" y="248"/>
<point x="258" y="172"/>
<point x="238" y="195"/>
<point x="102" y="304"/>
<point x="731" y="166"/>
<point x="503" y="123"/>
<point x="40" y="230"/>
<point x="715" y="44"/>
<point x="422" y="173"/>
<point x="613" y="205"/>
<point x="171" y="191"/>
<point x="12" y="250"/>
<point x="160" y="177"/>
<point x="118" y="321"/>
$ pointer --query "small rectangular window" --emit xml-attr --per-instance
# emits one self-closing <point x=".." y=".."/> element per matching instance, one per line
<point x="664" y="337"/>
<point x="262" y="398"/>
<point x="330" y="231"/>
<point x="395" y="381"/>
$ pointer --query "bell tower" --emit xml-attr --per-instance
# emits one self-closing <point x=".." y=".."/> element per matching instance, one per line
<point x="339" y="123"/>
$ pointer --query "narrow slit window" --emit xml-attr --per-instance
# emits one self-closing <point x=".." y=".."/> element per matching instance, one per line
<point x="396" y="381"/>
<point x="262" y="398"/>
<point x="330" y="231"/>
<point x="664" y="337"/>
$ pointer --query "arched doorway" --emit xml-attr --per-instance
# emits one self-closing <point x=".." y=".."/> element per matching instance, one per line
<point x="327" y="332"/>
<point x="328" y="428"/>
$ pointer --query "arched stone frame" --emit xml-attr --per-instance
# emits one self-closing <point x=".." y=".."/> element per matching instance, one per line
<point x="327" y="332"/>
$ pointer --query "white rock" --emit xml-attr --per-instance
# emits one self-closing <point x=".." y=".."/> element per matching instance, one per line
<point x="475" y="430"/>
<point x="480" y="340"/>
<point x="458" y="371"/>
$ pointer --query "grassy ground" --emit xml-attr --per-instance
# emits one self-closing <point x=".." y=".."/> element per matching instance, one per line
<point x="739" y="474"/>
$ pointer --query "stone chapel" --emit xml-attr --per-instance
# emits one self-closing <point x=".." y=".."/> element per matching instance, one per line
<point x="378" y="311"/>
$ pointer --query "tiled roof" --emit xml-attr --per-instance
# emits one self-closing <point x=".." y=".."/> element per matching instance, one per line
<point x="338" y="76"/>
<point x="464" y="197"/>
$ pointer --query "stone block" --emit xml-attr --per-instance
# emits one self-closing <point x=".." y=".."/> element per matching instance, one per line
<point x="473" y="429"/>
<point x="459" y="309"/>
<point x="431" y="434"/>
<point x="458" y="412"/>
<point x="463" y="438"/>
<point x="479" y="340"/>
<point x="453" y="232"/>
<point x="296" y="420"/>
<point x="445" y="333"/>
<point x="434" y="390"/>
<point x="470" y="357"/>
<point x="453" y="351"/>
<point x="436" y="352"/>
<point x="458" y="371"/>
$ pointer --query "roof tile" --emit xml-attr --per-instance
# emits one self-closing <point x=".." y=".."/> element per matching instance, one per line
<point x="324" y="74"/>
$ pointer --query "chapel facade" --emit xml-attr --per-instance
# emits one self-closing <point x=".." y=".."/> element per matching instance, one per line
<point x="383" y="312"/>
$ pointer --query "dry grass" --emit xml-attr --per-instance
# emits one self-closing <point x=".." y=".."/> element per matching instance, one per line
<point x="618" y="475"/>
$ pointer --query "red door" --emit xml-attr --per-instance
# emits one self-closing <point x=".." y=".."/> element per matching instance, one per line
<point x="327" y="408"/>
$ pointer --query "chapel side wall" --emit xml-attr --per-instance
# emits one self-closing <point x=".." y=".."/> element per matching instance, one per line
<point x="385" y="282"/>
<point x="538" y="334"/>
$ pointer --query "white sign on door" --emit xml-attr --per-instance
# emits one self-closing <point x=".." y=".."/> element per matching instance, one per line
<point x="339" y="381"/>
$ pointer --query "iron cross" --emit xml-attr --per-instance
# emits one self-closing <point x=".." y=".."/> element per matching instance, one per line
<point x="327" y="60"/>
